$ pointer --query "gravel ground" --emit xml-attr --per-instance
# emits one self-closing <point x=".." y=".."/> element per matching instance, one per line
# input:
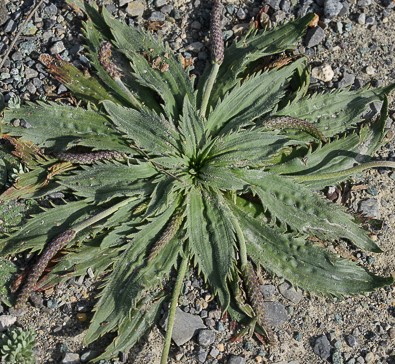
<point x="353" y="46"/>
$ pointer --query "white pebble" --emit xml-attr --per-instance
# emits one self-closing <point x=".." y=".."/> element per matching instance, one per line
<point x="323" y="73"/>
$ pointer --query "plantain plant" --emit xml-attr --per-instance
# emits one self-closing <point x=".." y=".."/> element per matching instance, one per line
<point x="161" y="172"/>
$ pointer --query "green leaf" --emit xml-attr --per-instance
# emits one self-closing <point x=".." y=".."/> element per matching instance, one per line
<point x="148" y="130"/>
<point x="7" y="271"/>
<point x="243" y="53"/>
<point x="303" y="264"/>
<point x="104" y="181"/>
<point x="333" y="113"/>
<point x="254" y="97"/>
<point x="246" y="148"/>
<point x="60" y="126"/>
<point x="305" y="211"/>
<point x="43" y="227"/>
<point x="173" y="84"/>
<point x="132" y="276"/>
<point x="211" y="240"/>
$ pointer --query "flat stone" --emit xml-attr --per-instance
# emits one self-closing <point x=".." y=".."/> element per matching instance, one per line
<point x="290" y="293"/>
<point x="236" y="360"/>
<point x="57" y="48"/>
<point x="364" y="3"/>
<point x="31" y="88"/>
<point x="347" y="80"/>
<point x="323" y="73"/>
<point x="135" y="8"/>
<point x="314" y="37"/>
<point x="241" y="14"/>
<point x="370" y="358"/>
<point x="10" y="26"/>
<point x="361" y="18"/>
<point x="268" y="291"/>
<point x="195" y="47"/>
<point x="206" y="337"/>
<point x="160" y="3"/>
<point x="6" y="321"/>
<point x="322" y="347"/>
<point x="3" y="13"/>
<point x="124" y="2"/>
<point x="185" y="327"/>
<point x="351" y="340"/>
<point x="157" y="16"/>
<point x="275" y="313"/>
<point x="202" y="356"/>
<point x="332" y="8"/>
<point x="370" y="208"/>
<point x="30" y="73"/>
<point x="337" y="357"/>
<point x="71" y="358"/>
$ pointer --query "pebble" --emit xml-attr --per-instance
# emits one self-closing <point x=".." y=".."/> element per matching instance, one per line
<point x="274" y="4"/>
<point x="136" y="8"/>
<point x="202" y="355"/>
<point x="206" y="337"/>
<point x="337" y="357"/>
<point x="275" y="313"/>
<point x="351" y="340"/>
<point x="186" y="326"/>
<point x="323" y="73"/>
<point x="370" y="20"/>
<point x="214" y="352"/>
<point x="57" y="48"/>
<point x="157" y="16"/>
<point x="10" y="26"/>
<point x="314" y="37"/>
<point x="124" y="2"/>
<point x="332" y="8"/>
<point x="71" y="358"/>
<point x="195" y="47"/>
<point x="17" y="56"/>
<point x="30" y="73"/>
<point x="347" y="80"/>
<point x="290" y="293"/>
<point x="88" y="355"/>
<point x="361" y="18"/>
<point x="370" y="358"/>
<point x="196" y="25"/>
<point x="370" y="208"/>
<point x="391" y="333"/>
<point x="31" y="88"/>
<point x="241" y="14"/>
<point x="3" y="13"/>
<point x="6" y="321"/>
<point x="268" y="291"/>
<point x="364" y="3"/>
<point x="236" y="360"/>
<point x="322" y="347"/>
<point x="160" y="3"/>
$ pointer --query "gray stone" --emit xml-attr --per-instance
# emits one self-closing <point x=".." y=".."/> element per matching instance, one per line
<point x="30" y="73"/>
<point x="37" y="82"/>
<point x="236" y="360"/>
<point x="206" y="337"/>
<point x="214" y="352"/>
<point x="351" y="340"/>
<point x="71" y="358"/>
<point x="31" y="88"/>
<point x="3" y="13"/>
<point x="322" y="347"/>
<point x="241" y="14"/>
<point x="370" y="20"/>
<point x="124" y="2"/>
<point x="160" y="3"/>
<point x="361" y="18"/>
<point x="268" y="291"/>
<point x="51" y="10"/>
<point x="185" y="327"/>
<point x="157" y="16"/>
<point x="196" y="25"/>
<point x="314" y="36"/>
<point x="202" y="356"/>
<point x="290" y="293"/>
<point x="27" y="47"/>
<point x="364" y="3"/>
<point x="285" y="6"/>
<point x="275" y="4"/>
<point x="17" y="56"/>
<point x="61" y="89"/>
<point x="10" y="26"/>
<point x="136" y="8"/>
<point x="337" y="357"/>
<point x="370" y="208"/>
<point x="57" y="48"/>
<point x="6" y="321"/>
<point x="195" y="47"/>
<point x="370" y="358"/>
<point x="167" y="9"/>
<point x="332" y="8"/>
<point x="275" y="313"/>
<point x="347" y="80"/>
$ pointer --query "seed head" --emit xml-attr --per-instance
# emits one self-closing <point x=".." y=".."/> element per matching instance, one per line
<point x="217" y="39"/>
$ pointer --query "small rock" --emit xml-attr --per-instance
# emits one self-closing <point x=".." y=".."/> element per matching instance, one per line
<point x="185" y="327"/>
<point x="88" y="355"/>
<point x="57" y="48"/>
<point x="30" y="73"/>
<point x="136" y="8"/>
<point x="31" y="88"/>
<point x="10" y="26"/>
<point x="364" y="3"/>
<point x="370" y="208"/>
<point x="268" y="291"/>
<point x="195" y="47"/>
<point x="370" y="358"/>
<point x="322" y="347"/>
<point x="370" y="20"/>
<point x="337" y="357"/>
<point x="124" y="2"/>
<point x="3" y="13"/>
<point x="202" y="356"/>
<point x="351" y="340"/>
<point x="51" y="10"/>
<point x="61" y="89"/>
<point x="347" y="80"/>
<point x="290" y="293"/>
<point x="214" y="352"/>
<point x="275" y="4"/>
<point x="236" y="360"/>
<point x="206" y="337"/>
<point x="332" y="8"/>
<point x="314" y="36"/>
<point x="196" y="25"/>
<point x="391" y="333"/>
<point x="30" y="29"/>
<point x="361" y="18"/>
<point x="160" y="3"/>
<point x="17" y="56"/>
<point x="241" y="14"/>
<point x="275" y="313"/>
<point x="157" y="16"/>
<point x="167" y="9"/>
<point x="323" y="73"/>
<point x="6" y="321"/>
<point x="71" y="358"/>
